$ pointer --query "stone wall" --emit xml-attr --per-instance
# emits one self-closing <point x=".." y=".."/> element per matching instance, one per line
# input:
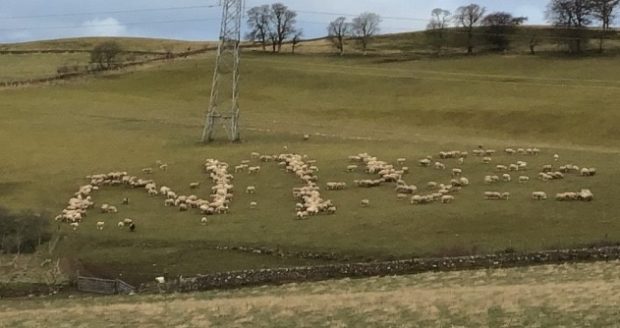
<point x="245" y="278"/>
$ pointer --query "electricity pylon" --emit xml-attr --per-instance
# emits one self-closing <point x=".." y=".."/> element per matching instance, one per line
<point x="224" y="102"/>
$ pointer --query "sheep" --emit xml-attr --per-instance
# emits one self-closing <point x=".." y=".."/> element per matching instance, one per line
<point x="302" y="215"/>
<point x="401" y="196"/>
<point x="510" y="151"/>
<point x="401" y="161"/>
<point x="544" y="176"/>
<point x="492" y="195"/>
<point x="501" y="168"/>
<point x="250" y="190"/>
<point x="120" y="224"/>
<point x="547" y="168"/>
<point x="432" y="185"/>
<point x="147" y="170"/>
<point x="539" y="195"/>
<point x="125" y="201"/>
<point x="183" y="207"/>
<point x="100" y="225"/>
<point x="425" y="162"/>
<point x="254" y="169"/>
<point x="127" y="221"/>
<point x="163" y="167"/>
<point x="506" y="177"/>
<point x="306" y="137"/>
<point x="586" y="195"/>
<point x="440" y="166"/>
<point x="524" y="179"/>
<point x="588" y="172"/>
<point x="456" y="173"/>
<point x="254" y="155"/>
<point x="556" y="157"/>
<point x="351" y="168"/>
<point x="194" y="185"/>
<point x="160" y="280"/>
<point x="461" y="160"/>
<point x="74" y="225"/>
<point x="204" y="220"/>
<point x="169" y="202"/>
<point x="464" y="181"/>
<point x="405" y="189"/>
<point x="489" y="179"/>
<point x="365" y="203"/>
<point x="253" y="205"/>
<point x="567" y="196"/>
<point x="405" y="169"/>
<point x="487" y="160"/>
<point x="336" y="185"/>
<point x="152" y="192"/>
<point x="447" y="199"/>
<point x="112" y="209"/>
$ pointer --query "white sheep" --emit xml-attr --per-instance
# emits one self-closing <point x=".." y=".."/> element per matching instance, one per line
<point x="524" y="179"/>
<point x="487" y="160"/>
<point x="250" y="190"/>
<point x="447" y="199"/>
<point x="401" y="161"/>
<point x="163" y="167"/>
<point x="306" y="137"/>
<point x="456" y="173"/>
<point x="253" y="205"/>
<point x="120" y="224"/>
<point x="204" y="220"/>
<point x="351" y="168"/>
<point x="365" y="203"/>
<point x="147" y="170"/>
<point x="440" y="166"/>
<point x="100" y="225"/>
<point x="506" y="177"/>
<point x="539" y="195"/>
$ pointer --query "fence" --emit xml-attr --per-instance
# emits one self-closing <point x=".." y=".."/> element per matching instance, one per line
<point x="103" y="286"/>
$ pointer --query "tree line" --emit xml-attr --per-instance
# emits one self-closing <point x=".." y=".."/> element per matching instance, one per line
<point x="572" y="20"/>
<point x="468" y="27"/>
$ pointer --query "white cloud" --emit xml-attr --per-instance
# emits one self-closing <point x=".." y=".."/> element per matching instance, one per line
<point x="103" y="27"/>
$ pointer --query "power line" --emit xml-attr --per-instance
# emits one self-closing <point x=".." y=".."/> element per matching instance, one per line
<point x="108" y="12"/>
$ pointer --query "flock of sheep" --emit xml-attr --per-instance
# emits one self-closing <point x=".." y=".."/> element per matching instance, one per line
<point x="310" y="202"/>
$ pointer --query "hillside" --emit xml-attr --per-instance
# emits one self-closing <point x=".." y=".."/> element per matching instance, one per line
<point x="583" y="295"/>
<point x="88" y="43"/>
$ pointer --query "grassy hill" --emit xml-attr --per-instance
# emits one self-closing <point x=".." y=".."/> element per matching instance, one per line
<point x="88" y="43"/>
<point x="56" y="135"/>
<point x="547" y="296"/>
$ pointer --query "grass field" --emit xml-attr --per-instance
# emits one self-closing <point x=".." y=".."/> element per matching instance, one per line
<point x="54" y="136"/>
<point x="88" y="43"/>
<point x="581" y="295"/>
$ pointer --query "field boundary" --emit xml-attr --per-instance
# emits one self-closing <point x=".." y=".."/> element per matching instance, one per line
<point x="279" y="276"/>
<point x="103" y="286"/>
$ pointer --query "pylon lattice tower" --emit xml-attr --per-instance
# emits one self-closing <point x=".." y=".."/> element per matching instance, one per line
<point x="224" y="103"/>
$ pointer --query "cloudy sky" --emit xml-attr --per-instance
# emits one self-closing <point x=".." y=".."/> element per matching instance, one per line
<point x="26" y="20"/>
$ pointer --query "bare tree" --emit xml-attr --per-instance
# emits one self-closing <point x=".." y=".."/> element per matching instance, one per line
<point x="440" y="20"/>
<point x="468" y="17"/>
<point x="605" y="12"/>
<point x="296" y="40"/>
<point x="498" y="28"/>
<point x="338" y="31"/>
<point x="364" y="27"/>
<point x="574" y="17"/>
<point x="283" y="25"/>
<point x="259" y="19"/>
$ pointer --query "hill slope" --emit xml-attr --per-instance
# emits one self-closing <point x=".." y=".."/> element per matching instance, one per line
<point x="546" y="296"/>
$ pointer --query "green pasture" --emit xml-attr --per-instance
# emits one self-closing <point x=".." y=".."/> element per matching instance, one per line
<point x="53" y="136"/>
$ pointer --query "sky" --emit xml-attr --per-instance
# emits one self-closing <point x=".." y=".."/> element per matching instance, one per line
<point x="28" y="20"/>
